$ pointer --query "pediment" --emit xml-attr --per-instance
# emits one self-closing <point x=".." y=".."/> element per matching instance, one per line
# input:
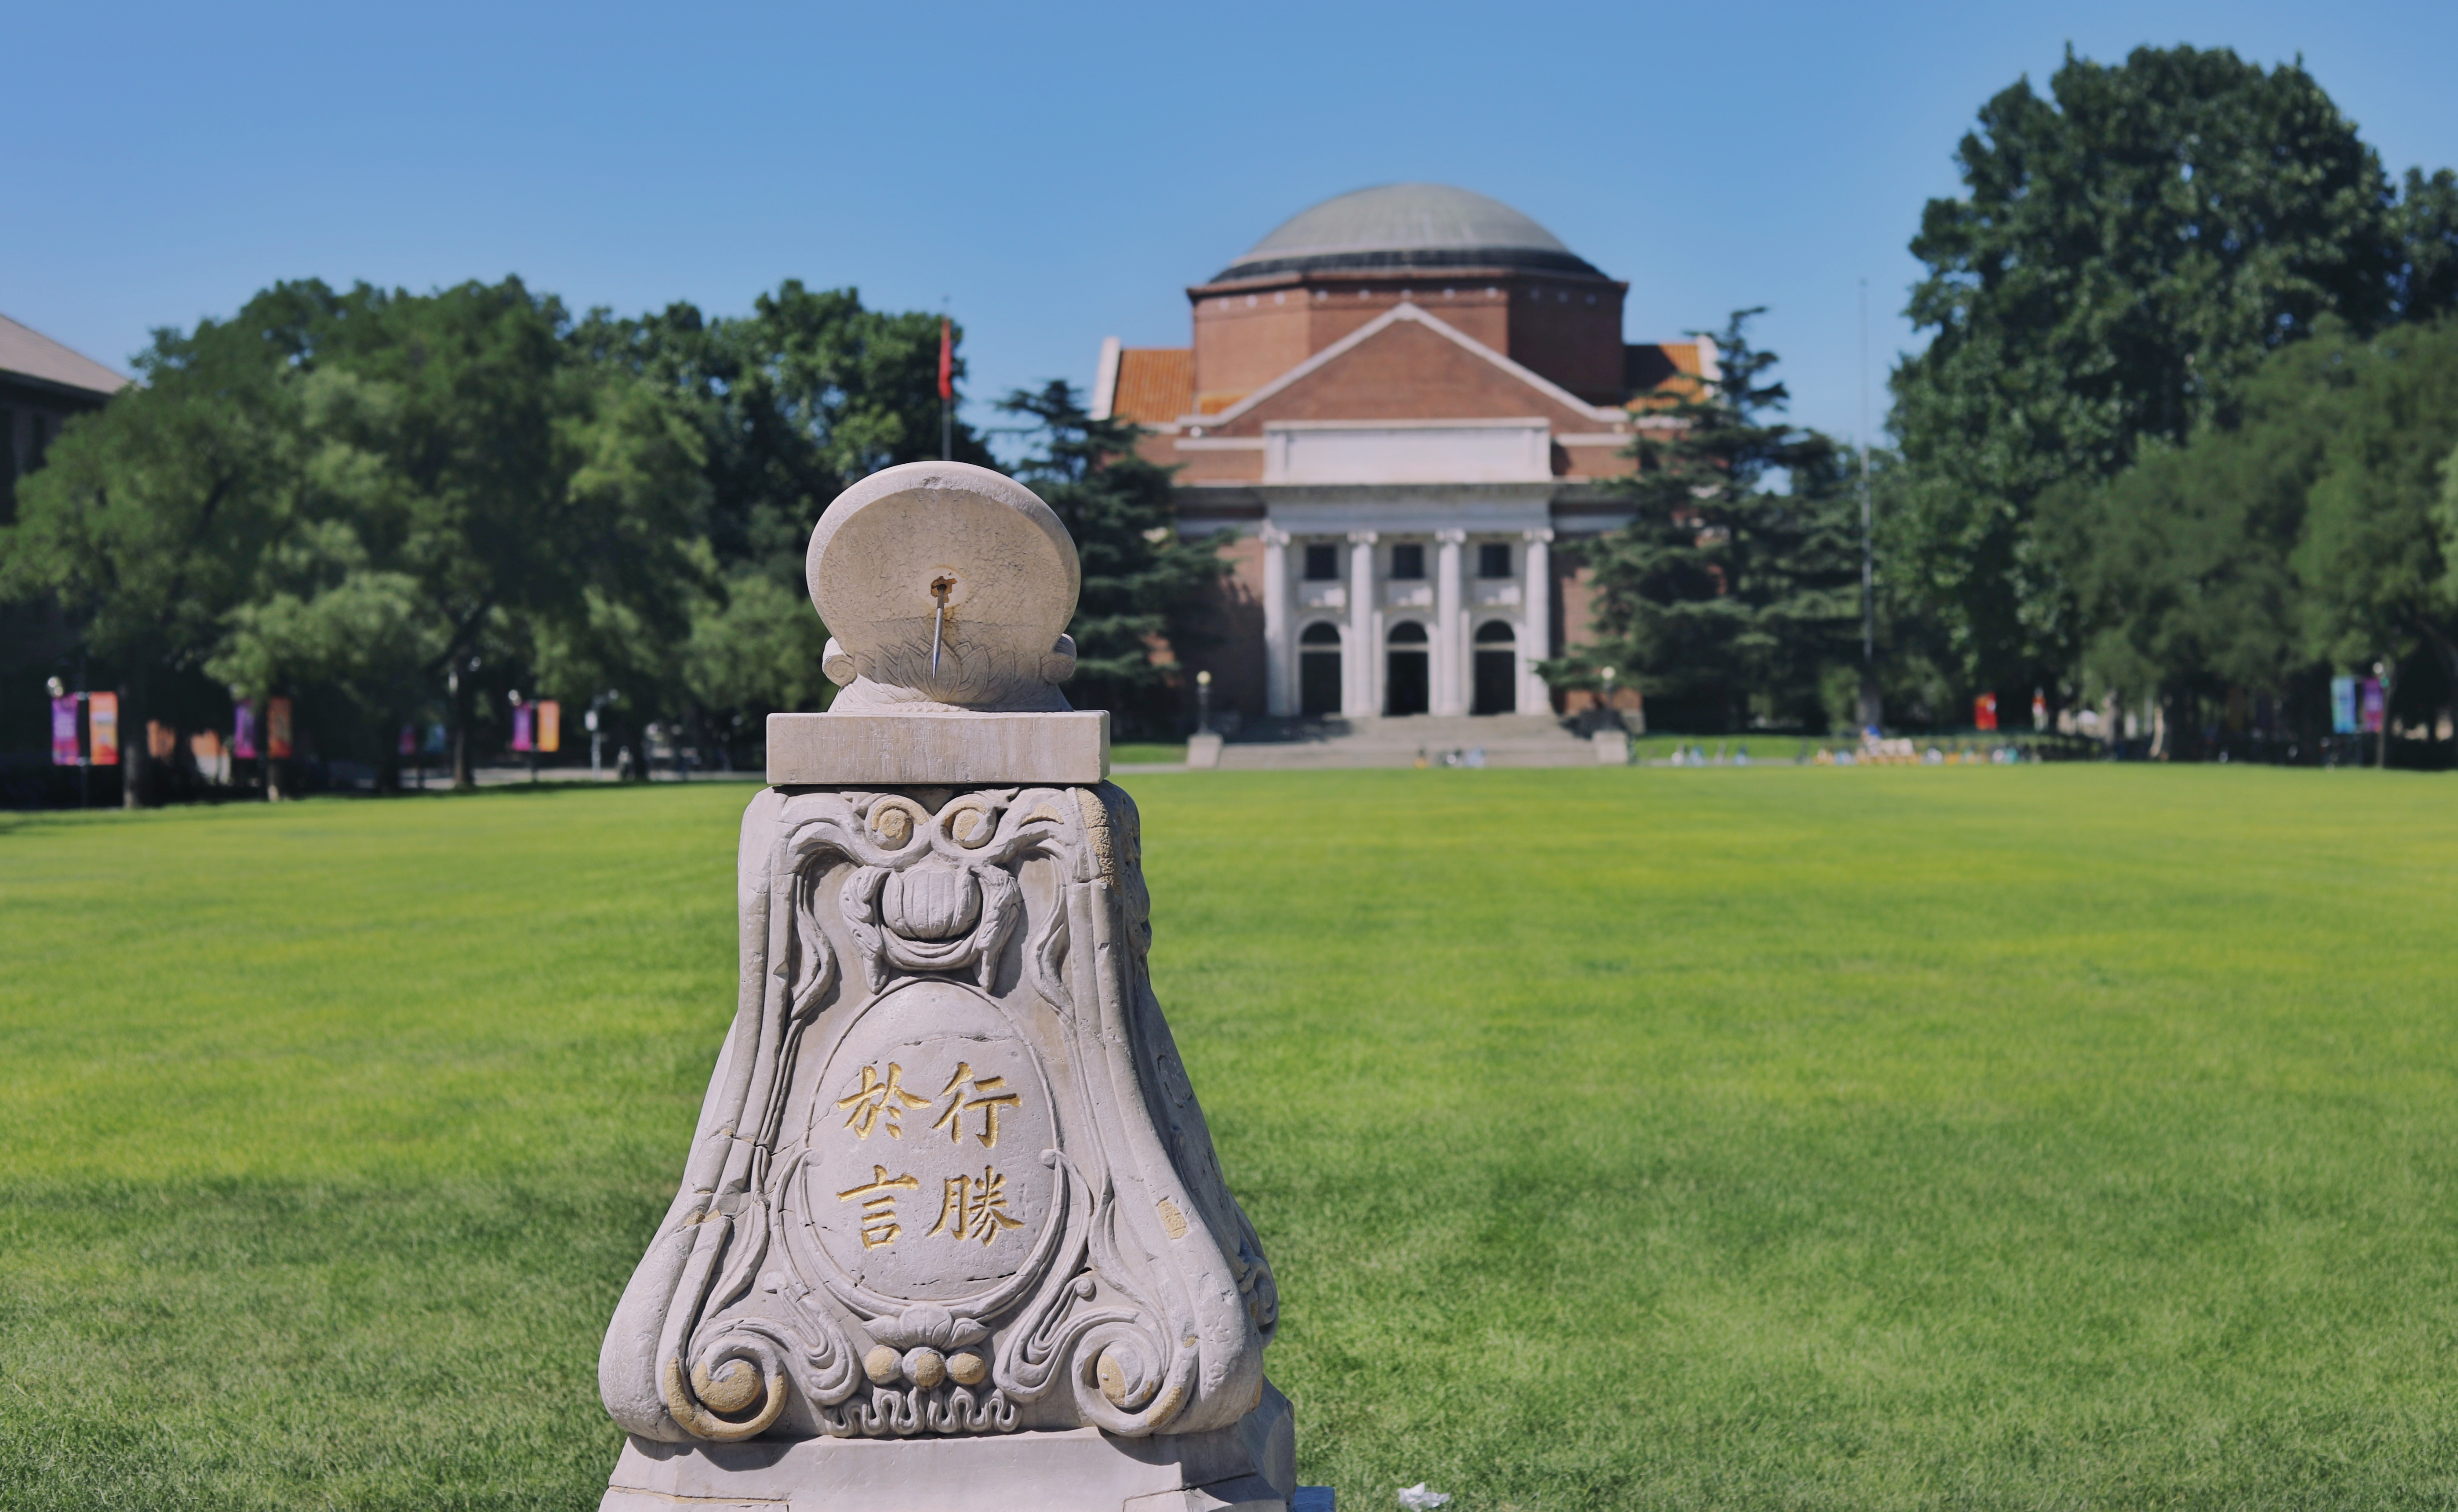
<point x="1408" y="365"/>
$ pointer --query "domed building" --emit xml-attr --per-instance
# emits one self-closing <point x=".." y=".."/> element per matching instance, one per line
<point x="1400" y="400"/>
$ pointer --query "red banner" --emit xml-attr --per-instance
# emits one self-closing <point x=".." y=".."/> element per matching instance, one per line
<point x="102" y="728"/>
<point x="1984" y="711"/>
<point x="276" y="729"/>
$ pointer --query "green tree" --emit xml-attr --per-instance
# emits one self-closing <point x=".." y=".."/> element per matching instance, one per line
<point x="367" y="499"/>
<point x="1146" y="589"/>
<point x="805" y="396"/>
<point x="2126" y="252"/>
<point x="476" y="488"/>
<point x="146" y="524"/>
<point x="1731" y="601"/>
<point x="2183" y="566"/>
<point x="2380" y="545"/>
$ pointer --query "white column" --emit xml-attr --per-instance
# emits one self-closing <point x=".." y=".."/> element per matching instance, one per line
<point x="1278" y="653"/>
<point x="1451" y="628"/>
<point x="1360" y="659"/>
<point x="1536" y="628"/>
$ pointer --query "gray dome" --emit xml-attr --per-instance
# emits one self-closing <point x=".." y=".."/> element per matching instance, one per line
<point x="1407" y="226"/>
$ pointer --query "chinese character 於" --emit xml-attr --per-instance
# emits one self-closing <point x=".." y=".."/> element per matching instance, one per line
<point x="878" y="1225"/>
<point x="975" y="1208"/>
<point x="866" y="1105"/>
<point x="968" y="1093"/>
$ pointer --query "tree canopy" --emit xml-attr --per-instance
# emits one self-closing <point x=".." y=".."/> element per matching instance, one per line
<point x="2128" y="250"/>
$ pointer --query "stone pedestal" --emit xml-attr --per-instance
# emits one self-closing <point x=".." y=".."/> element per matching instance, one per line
<point x="952" y="1232"/>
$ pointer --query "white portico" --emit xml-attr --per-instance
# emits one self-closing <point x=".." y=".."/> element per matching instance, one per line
<point x="1402" y="599"/>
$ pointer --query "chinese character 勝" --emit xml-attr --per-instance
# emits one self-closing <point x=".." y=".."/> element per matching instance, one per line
<point x="975" y="1208"/>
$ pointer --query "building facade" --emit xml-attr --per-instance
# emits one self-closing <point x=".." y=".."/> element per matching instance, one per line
<point x="42" y="383"/>
<point x="1401" y="402"/>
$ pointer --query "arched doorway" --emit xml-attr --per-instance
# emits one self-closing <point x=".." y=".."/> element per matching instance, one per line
<point x="1318" y="670"/>
<point x="1407" y="681"/>
<point x="1497" y="667"/>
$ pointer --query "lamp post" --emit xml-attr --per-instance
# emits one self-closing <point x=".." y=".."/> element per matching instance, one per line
<point x="1203" y="703"/>
<point x="2381" y="738"/>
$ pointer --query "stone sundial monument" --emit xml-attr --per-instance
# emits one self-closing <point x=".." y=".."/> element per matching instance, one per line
<point x="951" y="1233"/>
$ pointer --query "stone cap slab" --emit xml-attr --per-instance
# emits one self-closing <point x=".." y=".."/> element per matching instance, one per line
<point x="937" y="749"/>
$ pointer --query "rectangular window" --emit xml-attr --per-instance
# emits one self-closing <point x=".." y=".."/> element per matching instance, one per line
<point x="1493" y="559"/>
<point x="1322" y="564"/>
<point x="1407" y="561"/>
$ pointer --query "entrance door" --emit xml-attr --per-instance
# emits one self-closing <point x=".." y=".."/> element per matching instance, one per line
<point x="1407" y="683"/>
<point x="1318" y="670"/>
<point x="1497" y="669"/>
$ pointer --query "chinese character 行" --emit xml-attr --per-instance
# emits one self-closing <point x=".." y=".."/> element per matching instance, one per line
<point x="874" y="1100"/>
<point x="971" y="1097"/>
<point x="878" y="1225"/>
<point x="975" y="1207"/>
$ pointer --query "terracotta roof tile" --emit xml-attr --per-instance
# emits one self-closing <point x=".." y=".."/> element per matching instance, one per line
<point x="1156" y="385"/>
<point x="1659" y="374"/>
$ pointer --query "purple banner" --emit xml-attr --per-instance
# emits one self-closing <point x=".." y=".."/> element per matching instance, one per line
<point x="64" y="732"/>
<point x="243" y="732"/>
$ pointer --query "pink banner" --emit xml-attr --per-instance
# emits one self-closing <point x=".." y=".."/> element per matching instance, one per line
<point x="64" y="733"/>
<point x="2374" y="709"/>
<point x="523" y="724"/>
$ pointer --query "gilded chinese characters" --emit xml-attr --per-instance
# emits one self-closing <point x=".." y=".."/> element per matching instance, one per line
<point x="935" y="1150"/>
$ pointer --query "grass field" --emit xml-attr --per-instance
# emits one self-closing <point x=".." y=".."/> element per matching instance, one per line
<point x="2038" y="1137"/>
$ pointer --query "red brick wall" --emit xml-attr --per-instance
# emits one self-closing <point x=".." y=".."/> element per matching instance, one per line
<point x="1249" y="333"/>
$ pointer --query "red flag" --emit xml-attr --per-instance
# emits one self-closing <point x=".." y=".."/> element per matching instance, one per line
<point x="946" y="361"/>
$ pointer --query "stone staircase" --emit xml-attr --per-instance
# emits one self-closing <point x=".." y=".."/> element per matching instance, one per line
<point x="1506" y="740"/>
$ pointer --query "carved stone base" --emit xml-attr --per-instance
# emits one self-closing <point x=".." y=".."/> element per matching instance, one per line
<point x="1249" y="1466"/>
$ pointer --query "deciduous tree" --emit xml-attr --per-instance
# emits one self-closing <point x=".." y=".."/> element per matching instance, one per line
<point x="2127" y="251"/>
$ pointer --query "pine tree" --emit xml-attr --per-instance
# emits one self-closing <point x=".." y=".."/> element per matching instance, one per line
<point x="1729" y="601"/>
<point x="1145" y="587"/>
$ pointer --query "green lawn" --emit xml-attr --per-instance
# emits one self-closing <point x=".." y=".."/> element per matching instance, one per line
<point x="2055" y="1137"/>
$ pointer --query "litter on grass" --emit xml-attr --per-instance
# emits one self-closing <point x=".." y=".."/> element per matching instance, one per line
<point x="1417" y="1499"/>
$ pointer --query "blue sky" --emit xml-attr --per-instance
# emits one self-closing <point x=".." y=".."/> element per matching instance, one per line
<point x="1054" y="174"/>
